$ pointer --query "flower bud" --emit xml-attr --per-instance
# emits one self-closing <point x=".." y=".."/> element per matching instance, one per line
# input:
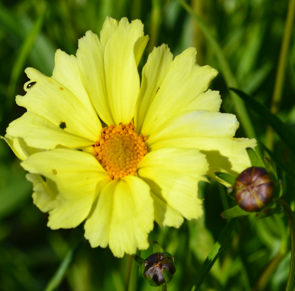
<point x="254" y="189"/>
<point x="159" y="268"/>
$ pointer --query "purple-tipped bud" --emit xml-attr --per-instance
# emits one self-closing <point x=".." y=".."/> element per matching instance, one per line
<point x="159" y="268"/>
<point x="254" y="189"/>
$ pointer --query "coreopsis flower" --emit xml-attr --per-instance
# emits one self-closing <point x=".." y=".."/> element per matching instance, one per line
<point x="101" y="145"/>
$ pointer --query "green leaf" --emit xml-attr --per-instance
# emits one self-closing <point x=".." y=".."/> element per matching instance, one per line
<point x="269" y="211"/>
<point x="157" y="248"/>
<point x="235" y="211"/>
<point x="291" y="220"/>
<point x="280" y="164"/>
<point x="138" y="260"/>
<point x="22" y="55"/>
<point x="255" y="159"/>
<point x="285" y="133"/>
<point x="213" y="255"/>
<point x="62" y="269"/>
<point x="132" y="284"/>
<point x="151" y="281"/>
<point x="168" y="276"/>
<point x="226" y="177"/>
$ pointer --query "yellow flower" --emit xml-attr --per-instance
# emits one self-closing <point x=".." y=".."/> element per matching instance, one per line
<point x="161" y="136"/>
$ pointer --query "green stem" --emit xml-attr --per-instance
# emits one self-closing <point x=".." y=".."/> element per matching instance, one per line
<point x="22" y="56"/>
<point x="164" y="287"/>
<point x="268" y="272"/>
<point x="227" y="73"/>
<point x="213" y="255"/>
<point x="155" y="24"/>
<point x="133" y="275"/>
<point x="277" y="94"/>
<point x="291" y="220"/>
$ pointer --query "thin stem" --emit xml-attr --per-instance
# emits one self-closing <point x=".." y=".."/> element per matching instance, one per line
<point x="22" y="56"/>
<point x="268" y="272"/>
<point x="226" y="71"/>
<point x="164" y="287"/>
<point x="291" y="220"/>
<point x="155" y="24"/>
<point x="277" y="94"/>
<point x="133" y="275"/>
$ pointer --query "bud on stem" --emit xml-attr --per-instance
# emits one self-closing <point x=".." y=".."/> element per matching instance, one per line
<point x="254" y="189"/>
<point x="157" y="269"/>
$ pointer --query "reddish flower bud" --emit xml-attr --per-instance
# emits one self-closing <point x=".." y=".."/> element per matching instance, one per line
<point x="159" y="268"/>
<point x="254" y="189"/>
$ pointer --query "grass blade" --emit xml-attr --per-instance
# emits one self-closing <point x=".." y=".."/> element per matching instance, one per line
<point x="62" y="269"/>
<point x="23" y="54"/>
<point x="280" y="76"/>
<point x="213" y="255"/>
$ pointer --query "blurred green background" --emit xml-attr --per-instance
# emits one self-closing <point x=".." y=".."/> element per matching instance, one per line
<point x="249" y="33"/>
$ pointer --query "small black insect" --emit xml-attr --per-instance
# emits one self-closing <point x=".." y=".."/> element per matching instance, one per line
<point x="30" y="85"/>
<point x="62" y="125"/>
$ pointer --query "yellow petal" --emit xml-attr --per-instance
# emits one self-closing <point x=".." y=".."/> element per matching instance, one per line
<point x="97" y="226"/>
<point x="193" y="124"/>
<point x="51" y="100"/>
<point x="38" y="132"/>
<point x="122" y="218"/>
<point x="153" y="73"/>
<point x="66" y="72"/>
<point x="109" y="26"/>
<point x="44" y="192"/>
<point x="182" y="84"/>
<point x="209" y="101"/>
<point x="77" y="177"/>
<point x="224" y="154"/>
<point x="139" y="48"/>
<point x="19" y="147"/>
<point x="120" y="61"/>
<point x="211" y="133"/>
<point x="165" y="215"/>
<point x="173" y="175"/>
<point x="91" y="65"/>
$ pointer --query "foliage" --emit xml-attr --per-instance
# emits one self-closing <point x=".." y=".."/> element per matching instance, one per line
<point x="249" y="34"/>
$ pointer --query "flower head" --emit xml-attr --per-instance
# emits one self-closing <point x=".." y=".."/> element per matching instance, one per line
<point x="161" y="135"/>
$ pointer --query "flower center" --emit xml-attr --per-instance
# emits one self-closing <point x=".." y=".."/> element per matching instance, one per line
<point x="120" y="149"/>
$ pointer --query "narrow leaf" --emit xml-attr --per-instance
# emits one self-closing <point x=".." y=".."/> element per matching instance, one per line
<point x="138" y="260"/>
<point x="255" y="159"/>
<point x="157" y="248"/>
<point x="213" y="255"/>
<point x="279" y="163"/>
<point x="22" y="55"/>
<point x="62" y="269"/>
<point x="226" y="177"/>
<point x="235" y="211"/>
<point x="285" y="133"/>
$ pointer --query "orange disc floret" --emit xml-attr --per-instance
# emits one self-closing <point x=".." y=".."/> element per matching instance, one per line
<point x="120" y="149"/>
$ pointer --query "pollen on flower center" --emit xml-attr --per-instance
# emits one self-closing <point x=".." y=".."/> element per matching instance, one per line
<point x="120" y="149"/>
